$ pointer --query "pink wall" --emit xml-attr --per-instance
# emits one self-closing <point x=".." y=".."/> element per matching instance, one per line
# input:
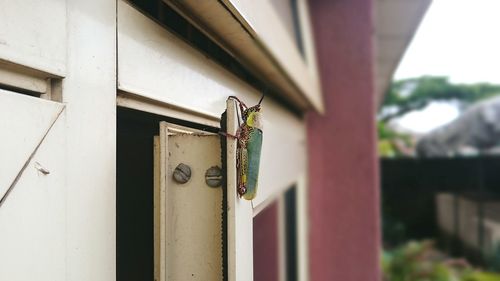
<point x="343" y="167"/>
<point x="265" y="244"/>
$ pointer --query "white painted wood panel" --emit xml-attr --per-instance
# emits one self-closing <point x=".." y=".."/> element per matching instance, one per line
<point x="158" y="66"/>
<point x="239" y="211"/>
<point x="154" y="63"/>
<point x="302" y="229"/>
<point x="33" y="216"/>
<point x="190" y="214"/>
<point x="24" y="121"/>
<point x="61" y="226"/>
<point x="23" y="78"/>
<point x="33" y="34"/>
<point x="151" y="105"/>
<point x="89" y="91"/>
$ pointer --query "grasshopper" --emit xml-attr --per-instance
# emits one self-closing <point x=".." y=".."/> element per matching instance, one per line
<point x="249" y="136"/>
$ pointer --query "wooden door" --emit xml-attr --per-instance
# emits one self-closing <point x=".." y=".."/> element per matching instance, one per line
<point x="188" y="211"/>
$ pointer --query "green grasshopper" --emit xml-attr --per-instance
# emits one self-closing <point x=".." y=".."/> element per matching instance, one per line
<point x="249" y="136"/>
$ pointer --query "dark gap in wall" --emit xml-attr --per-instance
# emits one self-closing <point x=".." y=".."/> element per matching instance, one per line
<point x="134" y="198"/>
<point x="291" y="233"/>
<point x="20" y="91"/>
<point x="134" y="191"/>
<point x="299" y="41"/>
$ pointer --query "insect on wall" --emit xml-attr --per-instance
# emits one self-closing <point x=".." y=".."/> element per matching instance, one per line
<point x="249" y="139"/>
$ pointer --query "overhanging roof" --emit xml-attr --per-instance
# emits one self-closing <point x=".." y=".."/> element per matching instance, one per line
<point x="395" y="24"/>
<point x="253" y="33"/>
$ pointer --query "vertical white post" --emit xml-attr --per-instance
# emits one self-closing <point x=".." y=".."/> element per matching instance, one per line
<point x="239" y="211"/>
<point x="89" y="92"/>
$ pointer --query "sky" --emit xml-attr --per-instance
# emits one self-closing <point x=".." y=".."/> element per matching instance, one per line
<point x="459" y="39"/>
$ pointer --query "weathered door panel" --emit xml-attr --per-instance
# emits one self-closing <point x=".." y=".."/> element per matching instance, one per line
<point x="33" y="215"/>
<point x="188" y="216"/>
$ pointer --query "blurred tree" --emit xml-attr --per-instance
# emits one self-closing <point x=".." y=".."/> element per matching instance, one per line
<point x="408" y="95"/>
<point x="392" y="143"/>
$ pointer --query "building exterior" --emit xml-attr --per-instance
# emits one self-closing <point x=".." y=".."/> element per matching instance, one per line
<point x="101" y="101"/>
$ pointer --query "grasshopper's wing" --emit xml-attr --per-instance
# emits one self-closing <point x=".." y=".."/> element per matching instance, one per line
<point x="254" y="148"/>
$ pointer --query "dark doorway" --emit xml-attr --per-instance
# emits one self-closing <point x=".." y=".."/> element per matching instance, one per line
<point x="134" y="196"/>
<point x="134" y="191"/>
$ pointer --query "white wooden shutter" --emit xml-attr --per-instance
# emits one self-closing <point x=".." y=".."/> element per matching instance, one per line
<point x="188" y="217"/>
<point x="32" y="172"/>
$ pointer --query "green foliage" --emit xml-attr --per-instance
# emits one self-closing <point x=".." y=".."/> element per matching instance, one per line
<point x="481" y="276"/>
<point x="390" y="141"/>
<point x="420" y="261"/>
<point x="416" y="93"/>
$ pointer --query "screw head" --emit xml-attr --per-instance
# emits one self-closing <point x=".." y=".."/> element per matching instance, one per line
<point x="213" y="176"/>
<point x="182" y="173"/>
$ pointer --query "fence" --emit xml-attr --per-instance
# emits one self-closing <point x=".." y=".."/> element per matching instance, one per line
<point x="453" y="200"/>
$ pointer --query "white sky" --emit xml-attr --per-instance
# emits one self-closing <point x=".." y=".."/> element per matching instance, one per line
<point x="459" y="39"/>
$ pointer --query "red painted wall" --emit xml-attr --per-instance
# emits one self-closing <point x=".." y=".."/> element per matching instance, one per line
<point x="265" y="244"/>
<point x="343" y="167"/>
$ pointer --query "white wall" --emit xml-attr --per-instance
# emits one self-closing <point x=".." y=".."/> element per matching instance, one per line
<point x="59" y="226"/>
<point x="89" y="90"/>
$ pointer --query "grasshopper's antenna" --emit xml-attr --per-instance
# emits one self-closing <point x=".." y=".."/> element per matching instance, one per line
<point x="262" y="98"/>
